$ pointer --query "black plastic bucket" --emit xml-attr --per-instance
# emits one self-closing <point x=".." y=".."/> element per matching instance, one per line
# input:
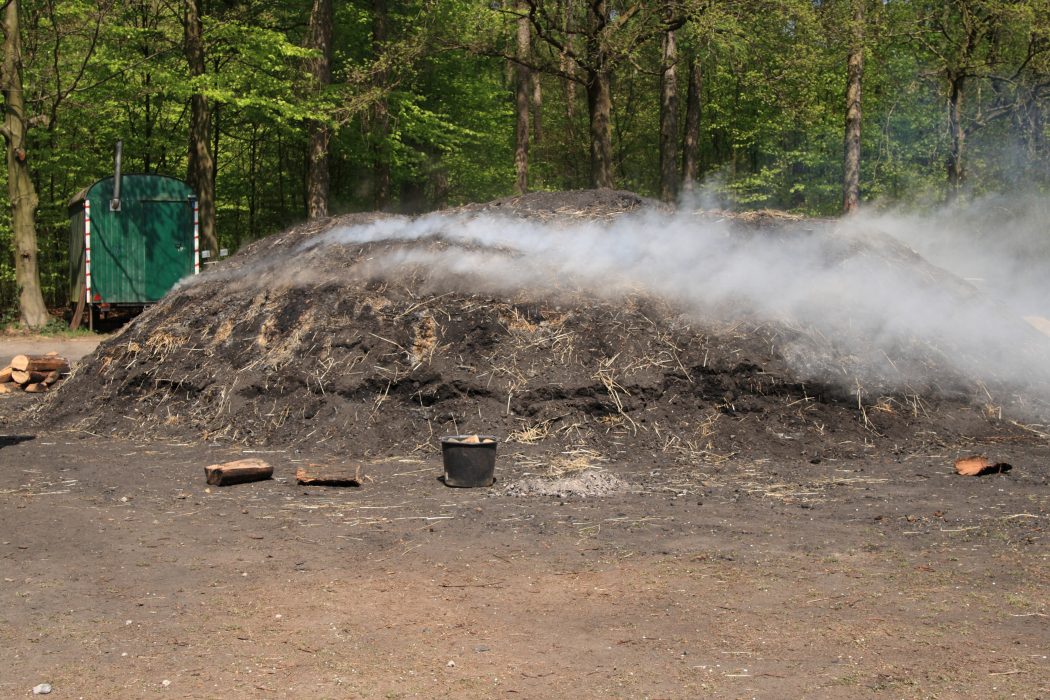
<point x="469" y="464"/>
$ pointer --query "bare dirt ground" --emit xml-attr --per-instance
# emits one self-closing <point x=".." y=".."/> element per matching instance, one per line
<point x="850" y="578"/>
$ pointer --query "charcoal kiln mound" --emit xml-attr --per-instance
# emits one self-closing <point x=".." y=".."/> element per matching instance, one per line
<point x="373" y="335"/>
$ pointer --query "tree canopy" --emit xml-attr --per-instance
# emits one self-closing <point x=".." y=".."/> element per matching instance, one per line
<point x="417" y="104"/>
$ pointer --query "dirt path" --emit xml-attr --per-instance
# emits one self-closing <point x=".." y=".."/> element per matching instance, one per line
<point x="72" y="349"/>
<point x="125" y="576"/>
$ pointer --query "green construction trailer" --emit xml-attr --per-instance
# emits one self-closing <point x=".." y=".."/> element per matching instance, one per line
<point x="131" y="239"/>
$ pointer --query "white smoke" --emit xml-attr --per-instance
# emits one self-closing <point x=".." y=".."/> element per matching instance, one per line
<point x="868" y="307"/>
<point x="999" y="244"/>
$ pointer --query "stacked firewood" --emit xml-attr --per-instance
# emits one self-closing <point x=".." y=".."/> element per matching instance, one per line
<point x="34" y="374"/>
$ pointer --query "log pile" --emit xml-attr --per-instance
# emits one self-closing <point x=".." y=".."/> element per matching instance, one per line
<point x="33" y="374"/>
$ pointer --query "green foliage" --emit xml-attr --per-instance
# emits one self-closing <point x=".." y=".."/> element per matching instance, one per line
<point x="771" y="118"/>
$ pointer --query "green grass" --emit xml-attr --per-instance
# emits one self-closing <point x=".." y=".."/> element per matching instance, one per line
<point x="56" y="327"/>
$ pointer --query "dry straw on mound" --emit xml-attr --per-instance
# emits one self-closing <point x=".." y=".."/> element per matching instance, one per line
<point x="348" y="335"/>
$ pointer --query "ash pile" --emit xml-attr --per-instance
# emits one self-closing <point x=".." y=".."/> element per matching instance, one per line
<point x="587" y="320"/>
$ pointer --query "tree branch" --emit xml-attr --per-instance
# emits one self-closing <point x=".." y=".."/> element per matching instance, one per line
<point x="536" y="8"/>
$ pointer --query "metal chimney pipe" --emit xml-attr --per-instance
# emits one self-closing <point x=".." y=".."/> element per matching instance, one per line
<point x="114" y="204"/>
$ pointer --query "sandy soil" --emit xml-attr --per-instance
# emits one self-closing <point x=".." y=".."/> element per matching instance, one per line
<point x="72" y="349"/>
<point x="124" y="575"/>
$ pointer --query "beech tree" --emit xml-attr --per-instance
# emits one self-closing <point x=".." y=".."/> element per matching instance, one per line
<point x="319" y="39"/>
<point x="380" y="109"/>
<point x="595" y="41"/>
<point x="854" y="71"/>
<point x="691" y="137"/>
<point x="669" y="119"/>
<point x="20" y="188"/>
<point x="522" y="76"/>
<point x="984" y="52"/>
<point x="200" y="166"/>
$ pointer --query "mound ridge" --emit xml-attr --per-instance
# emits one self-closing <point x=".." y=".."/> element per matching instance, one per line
<point x="314" y="347"/>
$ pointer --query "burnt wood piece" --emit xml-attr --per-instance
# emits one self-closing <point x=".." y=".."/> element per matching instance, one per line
<point x="979" y="465"/>
<point x="324" y="475"/>
<point x="238" y="472"/>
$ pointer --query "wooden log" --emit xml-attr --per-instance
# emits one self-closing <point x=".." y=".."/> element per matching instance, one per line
<point x="40" y="363"/>
<point x="23" y="378"/>
<point x="5" y="374"/>
<point x="238" y="472"/>
<point x="6" y="388"/>
<point x="979" y="465"/>
<point x="324" y="475"/>
<point x="52" y="377"/>
<point x="36" y="388"/>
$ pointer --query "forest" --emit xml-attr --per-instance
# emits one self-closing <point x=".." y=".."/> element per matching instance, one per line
<point x="280" y="111"/>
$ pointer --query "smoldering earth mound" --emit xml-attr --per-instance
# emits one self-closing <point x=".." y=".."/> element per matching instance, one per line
<point x="372" y="335"/>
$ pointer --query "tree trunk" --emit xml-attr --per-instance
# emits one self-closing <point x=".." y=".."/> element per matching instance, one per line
<point x="1036" y="130"/>
<point x="319" y="39"/>
<point x="201" y="168"/>
<point x="216" y="131"/>
<point x="380" y="112"/>
<point x="851" y="155"/>
<point x="568" y="66"/>
<point x="599" y="96"/>
<point x="537" y="106"/>
<point x="669" y="120"/>
<point x="691" y="142"/>
<point x="147" y="147"/>
<point x="439" y="182"/>
<point x="956" y="173"/>
<point x="20" y="189"/>
<point x="253" y="187"/>
<point x="521" y="109"/>
<point x="599" y="105"/>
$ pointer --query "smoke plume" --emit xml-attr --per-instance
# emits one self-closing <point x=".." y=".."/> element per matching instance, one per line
<point x="879" y="302"/>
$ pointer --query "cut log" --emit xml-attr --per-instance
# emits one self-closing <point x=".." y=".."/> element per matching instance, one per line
<point x="6" y="388"/>
<point x="979" y="465"/>
<point x="238" y="472"/>
<point x="40" y="363"/>
<point x="971" y="466"/>
<point x="36" y="388"/>
<point x="5" y="374"/>
<point x="23" y="378"/>
<point x="52" y="377"/>
<point x="324" y="475"/>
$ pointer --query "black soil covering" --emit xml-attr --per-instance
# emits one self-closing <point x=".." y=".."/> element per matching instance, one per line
<point x="294" y="346"/>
